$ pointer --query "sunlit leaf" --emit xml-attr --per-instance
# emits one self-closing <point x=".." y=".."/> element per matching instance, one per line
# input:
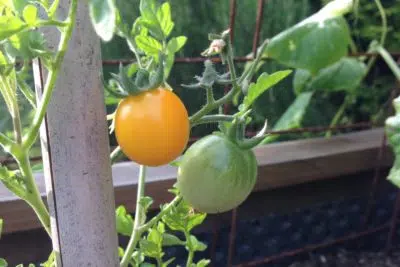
<point x="264" y="82"/>
<point x="103" y="17"/>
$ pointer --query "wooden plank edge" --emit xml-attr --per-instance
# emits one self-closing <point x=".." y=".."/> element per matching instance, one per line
<point x="280" y="165"/>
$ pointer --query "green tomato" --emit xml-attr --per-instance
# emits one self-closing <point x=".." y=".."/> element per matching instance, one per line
<point x="215" y="175"/>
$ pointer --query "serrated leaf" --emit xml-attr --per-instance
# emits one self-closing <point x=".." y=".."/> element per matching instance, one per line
<point x="148" y="10"/>
<point x="171" y="240"/>
<point x="3" y="263"/>
<point x="27" y="45"/>
<point x="344" y="75"/>
<point x="155" y="237"/>
<point x="149" y="45"/>
<point x="195" y="220"/>
<point x="311" y="44"/>
<point x="30" y="15"/>
<point x="292" y="117"/>
<point x="264" y="82"/>
<point x="176" y="44"/>
<point x="203" y="263"/>
<point x="124" y="221"/>
<point x="103" y="17"/>
<point x="164" y="18"/>
<point x="9" y="26"/>
<point x="196" y="244"/>
<point x="150" y="249"/>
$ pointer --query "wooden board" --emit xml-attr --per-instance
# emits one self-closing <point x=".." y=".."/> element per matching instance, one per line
<point x="280" y="165"/>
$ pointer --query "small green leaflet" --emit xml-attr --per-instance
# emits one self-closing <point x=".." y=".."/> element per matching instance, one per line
<point x="9" y="26"/>
<point x="148" y="44"/>
<point x="103" y="16"/>
<point x="264" y="82"/>
<point x="3" y="263"/>
<point x="30" y="15"/>
<point x="164" y="18"/>
<point x="124" y="221"/>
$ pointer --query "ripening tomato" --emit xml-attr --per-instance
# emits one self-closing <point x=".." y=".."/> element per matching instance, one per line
<point x="152" y="128"/>
<point x="215" y="175"/>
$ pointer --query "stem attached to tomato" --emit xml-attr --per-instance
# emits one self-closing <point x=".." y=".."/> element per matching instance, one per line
<point x="214" y="119"/>
<point x="136" y="232"/>
<point x="33" y="132"/>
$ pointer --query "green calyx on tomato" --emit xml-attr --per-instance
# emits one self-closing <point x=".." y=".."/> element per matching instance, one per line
<point x="132" y="80"/>
<point x="215" y="175"/>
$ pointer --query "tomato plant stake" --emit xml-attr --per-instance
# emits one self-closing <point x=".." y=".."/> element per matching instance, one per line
<point x="75" y="146"/>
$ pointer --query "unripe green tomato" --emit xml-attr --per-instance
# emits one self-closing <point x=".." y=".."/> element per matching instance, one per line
<point x="215" y="175"/>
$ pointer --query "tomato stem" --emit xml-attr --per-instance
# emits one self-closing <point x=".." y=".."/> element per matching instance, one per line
<point x="214" y="119"/>
<point x="54" y="70"/>
<point x="389" y="61"/>
<point x="136" y="232"/>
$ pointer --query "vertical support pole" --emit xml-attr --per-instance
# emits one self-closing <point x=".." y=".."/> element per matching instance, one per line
<point x="75" y="152"/>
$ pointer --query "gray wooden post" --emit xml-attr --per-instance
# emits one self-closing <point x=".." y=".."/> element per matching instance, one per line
<point x="75" y="152"/>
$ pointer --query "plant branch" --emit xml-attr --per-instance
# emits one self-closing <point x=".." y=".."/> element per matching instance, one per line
<point x="116" y="154"/>
<point x="158" y="217"/>
<point x="338" y="115"/>
<point x="389" y="61"/>
<point x="33" y="132"/>
<point x="213" y="119"/>
<point x="136" y="233"/>
<point x="210" y="106"/>
<point x="384" y="26"/>
<point x="33" y="196"/>
<point x="5" y="142"/>
<point x="249" y="72"/>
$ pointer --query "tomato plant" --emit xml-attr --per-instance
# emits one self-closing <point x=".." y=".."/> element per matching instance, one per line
<point x="152" y="128"/>
<point x="151" y="124"/>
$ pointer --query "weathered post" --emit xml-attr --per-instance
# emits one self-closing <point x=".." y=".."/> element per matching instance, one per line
<point x="76" y="153"/>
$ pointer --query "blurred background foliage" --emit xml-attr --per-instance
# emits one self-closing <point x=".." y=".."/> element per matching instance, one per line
<point x="195" y="19"/>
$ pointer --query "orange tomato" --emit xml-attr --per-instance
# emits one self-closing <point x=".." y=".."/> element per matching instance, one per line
<point x="152" y="128"/>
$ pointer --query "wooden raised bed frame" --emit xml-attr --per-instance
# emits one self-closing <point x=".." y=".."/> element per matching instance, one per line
<point x="280" y="165"/>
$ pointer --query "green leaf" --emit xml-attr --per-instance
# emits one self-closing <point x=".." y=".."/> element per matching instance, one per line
<point x="149" y="45"/>
<point x="148" y="10"/>
<point x="292" y="117"/>
<point x="176" y="44"/>
<point x="264" y="82"/>
<point x="301" y="79"/>
<point x="171" y="240"/>
<point x="9" y="26"/>
<point x="195" y="220"/>
<point x="344" y="75"/>
<point x="30" y="15"/>
<point x="155" y="237"/>
<point x="138" y="257"/>
<point x="103" y="15"/>
<point x="312" y="44"/>
<point x="27" y="45"/>
<point x="168" y="262"/>
<point x="196" y="245"/>
<point x="124" y="221"/>
<point x="164" y="18"/>
<point x="3" y="263"/>
<point x="150" y="249"/>
<point x="203" y="263"/>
